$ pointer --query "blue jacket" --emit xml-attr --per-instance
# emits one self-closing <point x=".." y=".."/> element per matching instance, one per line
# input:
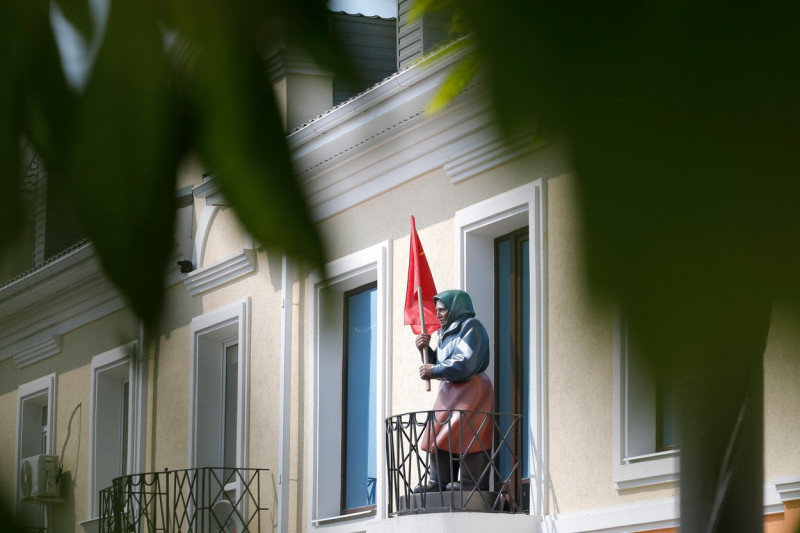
<point x="462" y="351"/>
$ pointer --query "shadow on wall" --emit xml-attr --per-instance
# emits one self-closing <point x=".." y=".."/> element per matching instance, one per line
<point x="7" y="521"/>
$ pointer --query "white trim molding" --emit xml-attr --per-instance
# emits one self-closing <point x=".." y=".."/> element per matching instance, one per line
<point x="216" y="327"/>
<point x="201" y="235"/>
<point x="369" y="265"/>
<point x="209" y="191"/>
<point x="462" y="522"/>
<point x="493" y="151"/>
<point x="374" y="142"/>
<point x="476" y="227"/>
<point x="285" y="417"/>
<point x="221" y="272"/>
<point x="55" y="299"/>
<point x="120" y="363"/>
<point x="44" y="386"/>
<point x="788" y="487"/>
<point x="38" y="350"/>
<point x="634" y="428"/>
<point x="637" y="516"/>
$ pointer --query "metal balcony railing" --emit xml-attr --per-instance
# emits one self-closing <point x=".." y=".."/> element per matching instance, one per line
<point x="198" y="500"/>
<point x="409" y="465"/>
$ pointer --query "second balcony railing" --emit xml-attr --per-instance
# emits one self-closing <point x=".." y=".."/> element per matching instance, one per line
<point x="229" y="500"/>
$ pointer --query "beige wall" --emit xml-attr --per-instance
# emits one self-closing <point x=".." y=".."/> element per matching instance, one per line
<point x="8" y="437"/>
<point x="580" y="381"/>
<point x="265" y="352"/>
<point x="782" y="395"/>
<point x="579" y="361"/>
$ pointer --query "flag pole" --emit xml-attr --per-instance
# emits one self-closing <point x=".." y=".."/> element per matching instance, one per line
<point x="422" y="327"/>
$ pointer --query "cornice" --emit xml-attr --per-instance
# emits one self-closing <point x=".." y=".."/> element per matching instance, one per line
<point x="35" y="352"/>
<point x="35" y="310"/>
<point x="217" y="274"/>
<point x="491" y="153"/>
<point x="412" y="87"/>
<point x="788" y="488"/>
<point x="384" y="137"/>
<point x="209" y="191"/>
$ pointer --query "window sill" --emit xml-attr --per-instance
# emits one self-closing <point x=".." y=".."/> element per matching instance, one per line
<point x="91" y="525"/>
<point x="650" y="456"/>
<point x="342" y="518"/>
<point x="647" y="470"/>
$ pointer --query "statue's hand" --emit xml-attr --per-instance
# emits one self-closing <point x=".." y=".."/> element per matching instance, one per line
<point x="423" y="340"/>
<point x="426" y="371"/>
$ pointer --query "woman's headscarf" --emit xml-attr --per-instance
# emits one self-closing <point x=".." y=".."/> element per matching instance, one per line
<point x="458" y="304"/>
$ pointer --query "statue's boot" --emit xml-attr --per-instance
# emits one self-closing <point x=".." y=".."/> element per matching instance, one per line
<point x="441" y="474"/>
<point x="473" y="472"/>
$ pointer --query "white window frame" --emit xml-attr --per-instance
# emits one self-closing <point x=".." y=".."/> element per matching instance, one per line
<point x="33" y="391"/>
<point x="634" y="421"/>
<point x="325" y="395"/>
<point x="117" y="364"/>
<point x="477" y="227"/>
<point x="211" y="331"/>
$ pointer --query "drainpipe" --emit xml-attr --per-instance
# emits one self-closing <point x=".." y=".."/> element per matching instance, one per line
<point x="287" y="287"/>
<point x="142" y="364"/>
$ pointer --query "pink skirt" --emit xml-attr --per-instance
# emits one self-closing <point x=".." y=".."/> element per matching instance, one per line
<point x="458" y="432"/>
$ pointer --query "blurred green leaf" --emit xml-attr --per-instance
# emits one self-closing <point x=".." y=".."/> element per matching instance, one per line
<point x="48" y="101"/>
<point x="79" y="14"/>
<point x="459" y="77"/>
<point x="308" y="25"/>
<point x="420" y="7"/>
<point x="112" y="151"/>
<point x="12" y="25"/>
<point x="677" y="117"/>
<point x="34" y="103"/>
<point x="122" y="158"/>
<point x="240" y="138"/>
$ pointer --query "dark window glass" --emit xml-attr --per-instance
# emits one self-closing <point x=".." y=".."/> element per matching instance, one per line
<point x="512" y="340"/>
<point x="124" y="429"/>
<point x="231" y="395"/>
<point x="360" y="393"/>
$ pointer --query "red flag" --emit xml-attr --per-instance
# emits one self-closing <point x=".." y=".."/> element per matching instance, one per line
<point x="419" y="276"/>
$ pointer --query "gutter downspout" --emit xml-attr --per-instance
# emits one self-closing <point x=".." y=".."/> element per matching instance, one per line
<point x="287" y="287"/>
<point x="142" y="369"/>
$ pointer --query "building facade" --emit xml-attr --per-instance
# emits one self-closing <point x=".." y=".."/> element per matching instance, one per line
<point x="269" y="387"/>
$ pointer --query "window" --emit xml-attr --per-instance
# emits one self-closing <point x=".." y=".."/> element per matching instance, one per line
<point x="645" y="438"/>
<point x="219" y="377"/>
<point x="230" y="396"/>
<point x="349" y="313"/>
<point x="35" y="435"/>
<point x="492" y="244"/>
<point x="512" y="340"/>
<point x="111" y="421"/>
<point x="359" y="399"/>
<point x="666" y="415"/>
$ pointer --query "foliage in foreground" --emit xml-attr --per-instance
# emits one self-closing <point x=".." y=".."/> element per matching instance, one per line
<point x="171" y="80"/>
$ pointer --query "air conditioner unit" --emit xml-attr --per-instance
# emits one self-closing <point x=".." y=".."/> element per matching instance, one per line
<point x="39" y="477"/>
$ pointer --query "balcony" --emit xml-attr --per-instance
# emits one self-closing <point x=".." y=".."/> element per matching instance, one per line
<point x="498" y="485"/>
<point x="224" y="500"/>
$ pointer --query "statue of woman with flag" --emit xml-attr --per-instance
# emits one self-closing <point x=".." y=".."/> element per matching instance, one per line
<point x="458" y="435"/>
<point x="460" y="432"/>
